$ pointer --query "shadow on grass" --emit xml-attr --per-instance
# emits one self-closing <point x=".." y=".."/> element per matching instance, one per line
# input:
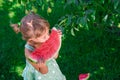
<point x="10" y="76"/>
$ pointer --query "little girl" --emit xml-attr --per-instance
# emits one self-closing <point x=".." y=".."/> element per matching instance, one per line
<point x="35" y="30"/>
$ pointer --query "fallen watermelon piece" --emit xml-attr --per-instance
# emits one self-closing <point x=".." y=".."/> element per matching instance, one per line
<point x="48" y="49"/>
<point x="84" y="76"/>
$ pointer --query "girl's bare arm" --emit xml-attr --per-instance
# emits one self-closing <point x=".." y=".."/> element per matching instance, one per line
<point x="56" y="56"/>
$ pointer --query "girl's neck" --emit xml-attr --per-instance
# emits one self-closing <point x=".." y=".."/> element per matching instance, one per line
<point x="37" y="45"/>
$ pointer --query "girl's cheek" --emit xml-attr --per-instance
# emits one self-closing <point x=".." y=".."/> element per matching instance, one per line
<point x="42" y="40"/>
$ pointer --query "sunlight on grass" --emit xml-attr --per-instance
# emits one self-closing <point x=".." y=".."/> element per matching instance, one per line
<point x="99" y="70"/>
<point x="52" y="4"/>
<point x="11" y="0"/>
<point x="43" y="7"/>
<point x="118" y="25"/>
<point x="60" y="56"/>
<point x="11" y="14"/>
<point x="47" y="0"/>
<point x="1" y="2"/>
<point x="80" y="25"/>
<point x="113" y="49"/>
<point x="95" y="72"/>
<point x="34" y="9"/>
<point x="16" y="5"/>
<point x="18" y="70"/>
<point x="49" y="10"/>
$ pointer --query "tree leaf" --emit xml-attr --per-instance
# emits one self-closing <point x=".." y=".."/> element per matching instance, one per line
<point x="72" y="32"/>
<point x="69" y="20"/>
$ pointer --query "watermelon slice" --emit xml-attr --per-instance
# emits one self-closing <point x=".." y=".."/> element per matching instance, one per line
<point x="84" y="76"/>
<point x="48" y="49"/>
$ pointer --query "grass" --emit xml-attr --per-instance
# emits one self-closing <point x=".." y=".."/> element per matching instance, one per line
<point x="97" y="55"/>
<point x="95" y="50"/>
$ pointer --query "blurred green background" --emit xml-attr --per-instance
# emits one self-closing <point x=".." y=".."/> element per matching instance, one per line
<point x="91" y="36"/>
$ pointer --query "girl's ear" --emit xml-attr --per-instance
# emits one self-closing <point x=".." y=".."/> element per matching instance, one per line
<point x="30" y="41"/>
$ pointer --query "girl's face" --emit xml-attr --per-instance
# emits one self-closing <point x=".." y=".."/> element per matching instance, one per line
<point x="39" y="40"/>
<point x="43" y="37"/>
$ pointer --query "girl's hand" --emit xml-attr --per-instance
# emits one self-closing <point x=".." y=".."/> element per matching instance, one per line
<point x="56" y="56"/>
<point x="59" y="32"/>
<point x="43" y="67"/>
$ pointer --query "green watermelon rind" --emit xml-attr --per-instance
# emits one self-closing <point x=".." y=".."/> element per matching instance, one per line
<point x="87" y="76"/>
<point x="32" y="60"/>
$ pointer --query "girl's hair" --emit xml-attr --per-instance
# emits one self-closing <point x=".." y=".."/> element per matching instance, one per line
<point x="32" y="25"/>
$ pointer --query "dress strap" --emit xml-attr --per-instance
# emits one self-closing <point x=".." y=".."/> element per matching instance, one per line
<point x="29" y="47"/>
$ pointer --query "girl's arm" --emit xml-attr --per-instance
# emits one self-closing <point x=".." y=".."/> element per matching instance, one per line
<point x="41" y="67"/>
<point x="56" y="55"/>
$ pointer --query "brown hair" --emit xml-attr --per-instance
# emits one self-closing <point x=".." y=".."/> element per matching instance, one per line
<point x="31" y="25"/>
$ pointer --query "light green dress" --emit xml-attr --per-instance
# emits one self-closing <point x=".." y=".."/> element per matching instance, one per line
<point x="54" y="73"/>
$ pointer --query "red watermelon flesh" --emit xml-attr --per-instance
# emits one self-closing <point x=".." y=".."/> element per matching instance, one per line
<point x="48" y="49"/>
<point x="84" y="76"/>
